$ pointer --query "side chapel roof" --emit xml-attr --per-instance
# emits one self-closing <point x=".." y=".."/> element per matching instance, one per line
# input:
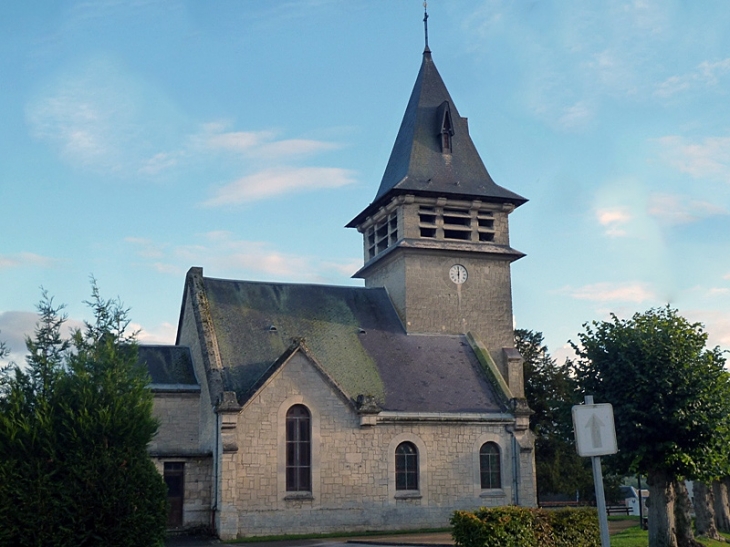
<point x="417" y="162"/>
<point x="169" y="367"/>
<point x="354" y="334"/>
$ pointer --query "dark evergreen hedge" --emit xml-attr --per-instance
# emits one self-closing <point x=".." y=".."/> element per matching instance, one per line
<point x="525" y="527"/>
<point x="74" y="427"/>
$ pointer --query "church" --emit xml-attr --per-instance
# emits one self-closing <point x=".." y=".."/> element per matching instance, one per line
<point x="297" y="408"/>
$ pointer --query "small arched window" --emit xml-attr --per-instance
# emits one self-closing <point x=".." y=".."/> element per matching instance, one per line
<point x="406" y="467"/>
<point x="298" y="449"/>
<point x="489" y="466"/>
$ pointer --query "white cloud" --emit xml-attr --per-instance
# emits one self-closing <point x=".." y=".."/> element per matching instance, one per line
<point x="90" y="115"/>
<point x="717" y="325"/>
<point x="613" y="70"/>
<point x="100" y="118"/>
<point x="21" y="260"/>
<point x="235" y="141"/>
<point x="562" y="353"/>
<point x="346" y="268"/>
<point x="619" y="292"/>
<point x="715" y="291"/>
<point x="160" y="162"/>
<point x="146" y="247"/>
<point x="675" y="209"/>
<point x="295" y="147"/>
<point x="614" y="219"/>
<point x="261" y="145"/>
<point x="161" y="334"/>
<point x="575" y="116"/>
<point x="706" y="74"/>
<point x="277" y="181"/>
<point x="15" y="326"/>
<point x="223" y="254"/>
<point x="707" y="159"/>
<point x="171" y="269"/>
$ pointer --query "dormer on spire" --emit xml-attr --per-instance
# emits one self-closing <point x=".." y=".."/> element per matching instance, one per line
<point x="447" y="127"/>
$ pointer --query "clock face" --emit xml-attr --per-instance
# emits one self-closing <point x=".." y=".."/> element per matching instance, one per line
<point x="457" y="273"/>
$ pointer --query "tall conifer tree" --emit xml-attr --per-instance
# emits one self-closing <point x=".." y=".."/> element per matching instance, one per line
<point x="74" y="427"/>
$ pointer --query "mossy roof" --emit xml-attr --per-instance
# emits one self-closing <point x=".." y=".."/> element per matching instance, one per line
<point x="354" y="334"/>
<point x="168" y="365"/>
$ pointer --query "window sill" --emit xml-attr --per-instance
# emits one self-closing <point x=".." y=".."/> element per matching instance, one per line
<point x="408" y="494"/>
<point x="493" y="493"/>
<point x="298" y="496"/>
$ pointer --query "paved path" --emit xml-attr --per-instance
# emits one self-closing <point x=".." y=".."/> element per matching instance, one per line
<point x="437" y="539"/>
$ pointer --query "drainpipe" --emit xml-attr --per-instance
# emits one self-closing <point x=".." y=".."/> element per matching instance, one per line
<point x="216" y="456"/>
<point x="515" y="471"/>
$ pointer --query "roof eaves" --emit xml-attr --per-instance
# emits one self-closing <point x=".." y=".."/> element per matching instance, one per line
<point x="490" y="369"/>
<point x="174" y="388"/>
<point x="195" y="285"/>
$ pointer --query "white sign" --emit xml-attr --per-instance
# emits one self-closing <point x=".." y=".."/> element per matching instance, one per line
<point x="595" y="434"/>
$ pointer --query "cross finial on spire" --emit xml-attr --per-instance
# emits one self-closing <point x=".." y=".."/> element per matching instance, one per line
<point x="425" y="25"/>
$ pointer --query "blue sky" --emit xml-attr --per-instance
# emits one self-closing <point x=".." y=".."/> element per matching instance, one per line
<point x="139" y="138"/>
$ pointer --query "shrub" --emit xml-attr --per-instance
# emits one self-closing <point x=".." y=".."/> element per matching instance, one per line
<point x="525" y="527"/>
<point x="575" y="527"/>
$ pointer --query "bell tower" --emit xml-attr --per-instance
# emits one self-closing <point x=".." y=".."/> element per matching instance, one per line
<point x="436" y="236"/>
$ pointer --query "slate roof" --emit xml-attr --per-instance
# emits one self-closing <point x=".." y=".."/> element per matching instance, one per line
<point x="168" y="365"/>
<point x="354" y="334"/>
<point x="417" y="164"/>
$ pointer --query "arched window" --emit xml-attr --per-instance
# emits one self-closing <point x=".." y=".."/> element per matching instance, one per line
<point x="406" y="467"/>
<point x="298" y="449"/>
<point x="489" y="466"/>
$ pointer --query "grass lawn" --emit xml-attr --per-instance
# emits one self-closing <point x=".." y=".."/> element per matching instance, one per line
<point x="636" y="537"/>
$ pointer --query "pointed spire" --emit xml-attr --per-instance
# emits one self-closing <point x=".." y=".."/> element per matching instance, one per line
<point x="433" y="153"/>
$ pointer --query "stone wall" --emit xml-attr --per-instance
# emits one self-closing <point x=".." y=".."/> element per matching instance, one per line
<point x="429" y="302"/>
<point x="198" y="488"/>
<point x="177" y="440"/>
<point x="353" y="466"/>
<point x="178" y="413"/>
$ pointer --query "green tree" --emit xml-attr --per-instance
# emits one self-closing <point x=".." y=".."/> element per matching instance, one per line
<point x="670" y="396"/>
<point x="551" y="391"/>
<point x="74" y="426"/>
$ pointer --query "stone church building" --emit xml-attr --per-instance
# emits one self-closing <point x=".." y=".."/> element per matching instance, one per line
<point x="294" y="408"/>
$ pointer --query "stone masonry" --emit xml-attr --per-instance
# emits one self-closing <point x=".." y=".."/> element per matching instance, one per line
<point x="177" y="441"/>
<point x="353" y="486"/>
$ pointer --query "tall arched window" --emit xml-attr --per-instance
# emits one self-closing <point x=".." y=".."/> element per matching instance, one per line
<point x="406" y="467"/>
<point x="489" y="466"/>
<point x="298" y="449"/>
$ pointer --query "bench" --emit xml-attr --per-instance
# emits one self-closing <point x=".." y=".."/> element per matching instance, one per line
<point x="618" y="510"/>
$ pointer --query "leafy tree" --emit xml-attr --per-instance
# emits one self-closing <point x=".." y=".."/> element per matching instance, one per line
<point x="74" y="426"/>
<point x="670" y="396"/>
<point x="551" y="391"/>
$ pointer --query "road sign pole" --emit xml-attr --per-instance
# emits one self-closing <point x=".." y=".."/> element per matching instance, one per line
<point x="600" y="496"/>
<point x="600" y="501"/>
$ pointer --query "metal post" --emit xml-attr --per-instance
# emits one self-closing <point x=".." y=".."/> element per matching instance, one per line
<point x="641" y="505"/>
<point x="600" y="501"/>
<point x="600" y="496"/>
